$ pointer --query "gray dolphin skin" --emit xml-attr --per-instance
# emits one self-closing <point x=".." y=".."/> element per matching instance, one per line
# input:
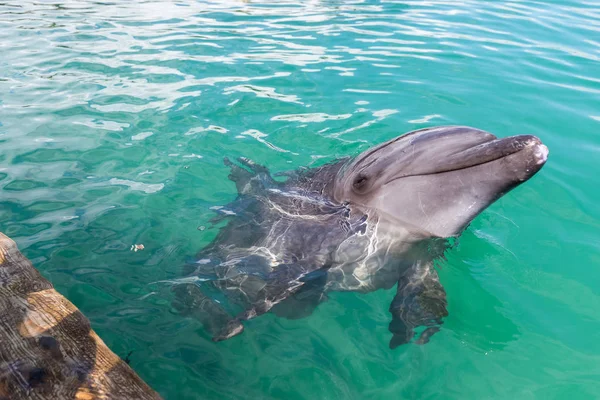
<point x="361" y="224"/>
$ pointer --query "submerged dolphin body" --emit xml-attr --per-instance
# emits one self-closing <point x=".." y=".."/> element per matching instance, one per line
<point x="360" y="224"/>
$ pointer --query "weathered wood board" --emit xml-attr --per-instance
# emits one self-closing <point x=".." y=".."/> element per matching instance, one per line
<point x="47" y="347"/>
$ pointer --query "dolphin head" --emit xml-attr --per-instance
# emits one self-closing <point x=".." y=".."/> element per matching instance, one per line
<point x="438" y="179"/>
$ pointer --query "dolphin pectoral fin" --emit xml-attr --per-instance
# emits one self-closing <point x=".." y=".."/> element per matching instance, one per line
<point x="191" y="301"/>
<point x="244" y="171"/>
<point x="420" y="301"/>
<point x="252" y="166"/>
<point x="240" y="176"/>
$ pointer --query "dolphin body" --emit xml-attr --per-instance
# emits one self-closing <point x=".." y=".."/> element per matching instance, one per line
<point x="361" y="224"/>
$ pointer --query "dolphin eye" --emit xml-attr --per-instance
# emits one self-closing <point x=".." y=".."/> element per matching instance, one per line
<point x="360" y="182"/>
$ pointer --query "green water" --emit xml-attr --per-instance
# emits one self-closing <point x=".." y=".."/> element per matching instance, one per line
<point x="115" y="118"/>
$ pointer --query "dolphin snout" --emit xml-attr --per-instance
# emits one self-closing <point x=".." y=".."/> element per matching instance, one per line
<point x="529" y="158"/>
<point x="540" y="152"/>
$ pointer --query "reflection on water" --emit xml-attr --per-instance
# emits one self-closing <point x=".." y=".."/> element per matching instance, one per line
<point x="115" y="118"/>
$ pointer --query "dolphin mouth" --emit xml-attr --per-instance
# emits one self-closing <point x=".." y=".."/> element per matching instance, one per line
<point x="490" y="149"/>
<point x="493" y="150"/>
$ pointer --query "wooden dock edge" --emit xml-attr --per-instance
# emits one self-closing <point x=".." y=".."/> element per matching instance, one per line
<point x="47" y="347"/>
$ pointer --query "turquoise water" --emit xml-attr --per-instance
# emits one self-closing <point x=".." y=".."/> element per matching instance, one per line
<point x="115" y="117"/>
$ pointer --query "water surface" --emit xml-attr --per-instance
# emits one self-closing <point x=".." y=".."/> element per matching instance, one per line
<point x="115" y="117"/>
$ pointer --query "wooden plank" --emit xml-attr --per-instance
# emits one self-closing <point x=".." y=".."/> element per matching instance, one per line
<point x="47" y="347"/>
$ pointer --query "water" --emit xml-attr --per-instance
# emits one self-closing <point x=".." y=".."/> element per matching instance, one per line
<point x="115" y="118"/>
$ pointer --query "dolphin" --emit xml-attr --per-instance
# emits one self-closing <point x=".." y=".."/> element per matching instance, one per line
<point x="356" y="224"/>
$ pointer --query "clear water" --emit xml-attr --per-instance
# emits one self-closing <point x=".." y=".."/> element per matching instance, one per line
<point x="115" y="117"/>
